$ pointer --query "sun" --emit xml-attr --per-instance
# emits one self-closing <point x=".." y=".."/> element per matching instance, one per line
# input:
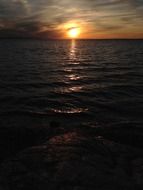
<point x="73" y="32"/>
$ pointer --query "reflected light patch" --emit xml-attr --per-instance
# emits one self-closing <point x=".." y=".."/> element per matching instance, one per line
<point x="70" y="89"/>
<point x="70" y="111"/>
<point x="75" y="89"/>
<point x="73" y="77"/>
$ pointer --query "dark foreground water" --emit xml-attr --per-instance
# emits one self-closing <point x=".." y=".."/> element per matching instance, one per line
<point x="90" y="81"/>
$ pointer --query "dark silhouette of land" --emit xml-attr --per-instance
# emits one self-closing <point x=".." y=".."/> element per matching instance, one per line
<point x="71" y="157"/>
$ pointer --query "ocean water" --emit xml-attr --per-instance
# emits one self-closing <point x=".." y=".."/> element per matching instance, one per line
<point x="81" y="81"/>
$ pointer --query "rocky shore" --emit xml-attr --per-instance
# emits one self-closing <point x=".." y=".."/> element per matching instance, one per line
<point x="62" y="157"/>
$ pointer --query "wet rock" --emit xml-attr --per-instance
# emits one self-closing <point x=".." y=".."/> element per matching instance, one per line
<point x="126" y="133"/>
<point x="72" y="161"/>
<point x="15" y="139"/>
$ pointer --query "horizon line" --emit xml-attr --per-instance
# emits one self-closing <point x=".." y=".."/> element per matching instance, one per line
<point x="30" y="38"/>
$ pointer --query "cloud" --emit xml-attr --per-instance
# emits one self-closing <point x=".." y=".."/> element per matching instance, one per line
<point x="13" y="9"/>
<point x="42" y="17"/>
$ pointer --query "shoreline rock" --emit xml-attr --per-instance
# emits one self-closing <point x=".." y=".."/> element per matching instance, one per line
<point x="74" y="159"/>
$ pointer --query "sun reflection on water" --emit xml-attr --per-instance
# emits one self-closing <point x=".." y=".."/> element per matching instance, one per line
<point x="73" y="50"/>
<point x="73" y="77"/>
<point x="72" y="85"/>
<point x="70" y="111"/>
<point x="72" y="54"/>
<point x="71" y="73"/>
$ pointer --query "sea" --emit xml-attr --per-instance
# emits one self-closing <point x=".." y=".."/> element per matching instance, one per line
<point x="91" y="82"/>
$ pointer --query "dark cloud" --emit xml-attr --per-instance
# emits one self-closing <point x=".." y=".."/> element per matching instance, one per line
<point x="31" y="30"/>
<point x="15" y="9"/>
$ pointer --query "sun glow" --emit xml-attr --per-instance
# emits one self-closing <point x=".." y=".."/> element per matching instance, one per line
<point x="73" y="32"/>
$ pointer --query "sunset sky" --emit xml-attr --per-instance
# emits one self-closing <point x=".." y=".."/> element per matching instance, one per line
<point x="53" y="18"/>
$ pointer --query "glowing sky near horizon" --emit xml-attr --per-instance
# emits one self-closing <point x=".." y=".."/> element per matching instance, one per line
<point x="53" y="18"/>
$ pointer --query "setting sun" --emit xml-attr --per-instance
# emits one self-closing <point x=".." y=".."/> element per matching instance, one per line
<point x="73" y="32"/>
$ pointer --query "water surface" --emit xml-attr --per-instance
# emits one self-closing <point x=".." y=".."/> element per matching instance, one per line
<point x="83" y="81"/>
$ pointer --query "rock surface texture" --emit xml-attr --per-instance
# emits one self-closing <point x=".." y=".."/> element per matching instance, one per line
<point x="74" y="160"/>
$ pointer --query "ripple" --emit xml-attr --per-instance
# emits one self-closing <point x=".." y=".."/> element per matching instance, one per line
<point x="65" y="78"/>
<point x="70" y="111"/>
